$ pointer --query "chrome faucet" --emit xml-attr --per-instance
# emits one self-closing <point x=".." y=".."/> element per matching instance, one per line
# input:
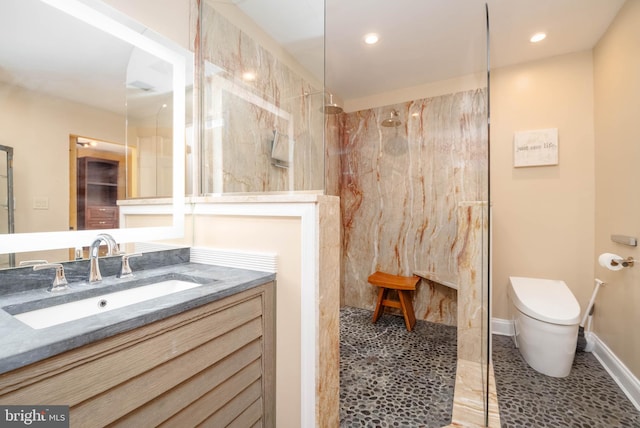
<point x="94" y="266"/>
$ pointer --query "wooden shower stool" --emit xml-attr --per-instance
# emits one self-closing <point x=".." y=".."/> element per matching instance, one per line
<point x="404" y="285"/>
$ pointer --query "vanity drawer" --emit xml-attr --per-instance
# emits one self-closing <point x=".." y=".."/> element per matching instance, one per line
<point x="102" y="218"/>
<point x="102" y="213"/>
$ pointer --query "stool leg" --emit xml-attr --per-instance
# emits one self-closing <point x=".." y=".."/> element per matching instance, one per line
<point x="407" y="309"/>
<point x="382" y="294"/>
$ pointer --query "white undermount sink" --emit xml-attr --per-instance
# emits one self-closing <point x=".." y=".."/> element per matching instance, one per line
<point x="58" y="314"/>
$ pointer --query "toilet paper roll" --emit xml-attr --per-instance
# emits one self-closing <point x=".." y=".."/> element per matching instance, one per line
<point x="605" y="260"/>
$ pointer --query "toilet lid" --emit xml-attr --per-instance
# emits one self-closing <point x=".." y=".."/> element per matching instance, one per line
<point x="547" y="300"/>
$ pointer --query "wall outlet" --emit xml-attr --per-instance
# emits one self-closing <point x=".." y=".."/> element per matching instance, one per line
<point x="40" y="203"/>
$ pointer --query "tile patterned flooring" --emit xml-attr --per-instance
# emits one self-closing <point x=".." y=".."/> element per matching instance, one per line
<point x="386" y="381"/>
<point x="390" y="377"/>
<point x="587" y="398"/>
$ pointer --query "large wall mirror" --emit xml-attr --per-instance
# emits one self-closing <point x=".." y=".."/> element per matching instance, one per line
<point x="93" y="105"/>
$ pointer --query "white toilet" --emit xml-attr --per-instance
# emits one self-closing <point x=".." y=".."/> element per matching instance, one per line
<point x="546" y="316"/>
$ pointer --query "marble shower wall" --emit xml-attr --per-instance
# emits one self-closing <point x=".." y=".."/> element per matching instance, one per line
<point x="400" y="191"/>
<point x="332" y="154"/>
<point x="241" y="115"/>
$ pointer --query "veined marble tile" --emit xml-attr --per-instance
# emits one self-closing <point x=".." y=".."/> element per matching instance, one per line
<point x="400" y="190"/>
<point x="473" y="277"/>
<point x="333" y="125"/>
<point x="328" y="320"/>
<point x="468" y="397"/>
<point x="241" y="115"/>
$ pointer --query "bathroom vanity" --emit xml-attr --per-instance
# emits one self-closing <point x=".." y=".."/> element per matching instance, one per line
<point x="202" y="354"/>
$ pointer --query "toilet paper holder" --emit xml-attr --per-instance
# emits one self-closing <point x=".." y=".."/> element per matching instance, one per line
<point x="628" y="262"/>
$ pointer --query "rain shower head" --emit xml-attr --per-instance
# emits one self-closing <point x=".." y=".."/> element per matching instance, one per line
<point x="331" y="107"/>
<point x="392" y="121"/>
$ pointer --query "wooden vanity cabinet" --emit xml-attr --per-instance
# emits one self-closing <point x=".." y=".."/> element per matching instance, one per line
<point x="213" y="365"/>
<point x="97" y="193"/>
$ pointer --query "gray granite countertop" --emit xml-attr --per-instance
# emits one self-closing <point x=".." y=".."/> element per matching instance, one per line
<point x="21" y="345"/>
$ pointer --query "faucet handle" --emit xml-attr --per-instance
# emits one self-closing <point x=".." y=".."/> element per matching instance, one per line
<point x="115" y="251"/>
<point x="125" y="269"/>
<point x="60" y="281"/>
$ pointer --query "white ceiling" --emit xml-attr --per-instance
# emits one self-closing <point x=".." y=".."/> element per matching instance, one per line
<point x="423" y="41"/>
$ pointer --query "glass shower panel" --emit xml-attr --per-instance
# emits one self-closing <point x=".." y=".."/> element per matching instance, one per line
<point x="484" y="191"/>
<point x="486" y="247"/>
<point x="263" y="124"/>
<point x="474" y="336"/>
<point x="490" y="410"/>
<point x="415" y="197"/>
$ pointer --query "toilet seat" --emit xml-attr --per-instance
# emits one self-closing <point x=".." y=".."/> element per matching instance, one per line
<point x="547" y="300"/>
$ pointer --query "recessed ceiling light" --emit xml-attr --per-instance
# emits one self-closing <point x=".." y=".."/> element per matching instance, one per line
<point x="249" y="76"/>
<point x="538" y="37"/>
<point x="371" y="38"/>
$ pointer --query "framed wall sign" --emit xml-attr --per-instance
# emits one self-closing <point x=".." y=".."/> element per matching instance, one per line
<point x="535" y="148"/>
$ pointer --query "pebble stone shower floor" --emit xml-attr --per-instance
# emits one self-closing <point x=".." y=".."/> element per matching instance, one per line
<point x="390" y="377"/>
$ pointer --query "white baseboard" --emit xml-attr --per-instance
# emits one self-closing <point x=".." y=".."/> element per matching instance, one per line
<point x="629" y="384"/>
<point x="502" y="327"/>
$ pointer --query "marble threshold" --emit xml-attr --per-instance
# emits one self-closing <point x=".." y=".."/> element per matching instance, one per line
<point x="468" y="404"/>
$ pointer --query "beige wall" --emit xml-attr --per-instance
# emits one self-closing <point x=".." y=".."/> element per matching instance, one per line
<point x="543" y="218"/>
<point x="617" y="172"/>
<point x="279" y="235"/>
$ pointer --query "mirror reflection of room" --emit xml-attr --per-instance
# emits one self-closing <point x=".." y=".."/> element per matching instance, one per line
<point x="100" y="181"/>
<point x="59" y="95"/>
<point x="114" y="85"/>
